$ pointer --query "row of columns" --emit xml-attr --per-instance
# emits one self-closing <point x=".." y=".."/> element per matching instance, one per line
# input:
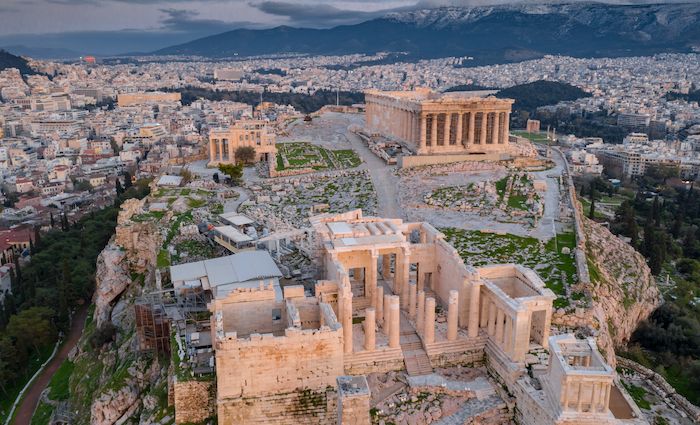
<point x="216" y="150"/>
<point x="398" y="121"/>
<point x="384" y="311"/>
<point x="597" y="400"/>
<point x="471" y="128"/>
<point x="498" y="324"/>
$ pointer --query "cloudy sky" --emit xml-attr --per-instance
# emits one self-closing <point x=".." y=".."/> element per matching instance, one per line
<point x="115" y="26"/>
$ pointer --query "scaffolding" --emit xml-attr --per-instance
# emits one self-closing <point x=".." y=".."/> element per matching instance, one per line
<point x="152" y="324"/>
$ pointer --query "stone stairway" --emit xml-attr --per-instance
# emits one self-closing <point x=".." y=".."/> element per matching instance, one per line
<point x="417" y="363"/>
<point x="414" y="356"/>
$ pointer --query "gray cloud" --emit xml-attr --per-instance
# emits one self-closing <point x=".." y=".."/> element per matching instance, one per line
<point x="319" y="15"/>
<point x="182" y="20"/>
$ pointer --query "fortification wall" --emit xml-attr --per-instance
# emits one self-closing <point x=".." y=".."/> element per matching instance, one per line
<point x="263" y="365"/>
<point x="422" y="160"/>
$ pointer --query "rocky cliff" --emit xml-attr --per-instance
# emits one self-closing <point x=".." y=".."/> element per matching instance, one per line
<point x="112" y="383"/>
<point x="623" y="291"/>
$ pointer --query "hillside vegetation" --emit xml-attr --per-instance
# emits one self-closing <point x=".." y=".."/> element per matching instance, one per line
<point x="540" y="93"/>
<point x="8" y="60"/>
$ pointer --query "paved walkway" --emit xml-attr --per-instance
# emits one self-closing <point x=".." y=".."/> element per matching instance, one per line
<point x="232" y="205"/>
<point x="26" y="408"/>
<point x="385" y="182"/>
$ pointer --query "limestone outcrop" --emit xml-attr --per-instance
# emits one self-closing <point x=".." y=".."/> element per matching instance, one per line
<point x="138" y="236"/>
<point x="623" y="290"/>
<point x="111" y="279"/>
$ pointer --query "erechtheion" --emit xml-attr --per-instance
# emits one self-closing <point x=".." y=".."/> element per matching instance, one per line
<point x="223" y="142"/>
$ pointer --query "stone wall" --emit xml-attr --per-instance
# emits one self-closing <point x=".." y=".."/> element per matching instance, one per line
<point x="470" y="358"/>
<point x="663" y="388"/>
<point x="302" y="406"/>
<point x="194" y="401"/>
<point x="422" y="160"/>
<point x="266" y="364"/>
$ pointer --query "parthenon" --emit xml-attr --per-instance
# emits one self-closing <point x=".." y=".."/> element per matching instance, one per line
<point x="440" y="123"/>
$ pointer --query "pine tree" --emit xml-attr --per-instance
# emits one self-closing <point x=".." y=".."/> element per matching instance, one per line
<point x="53" y="221"/>
<point x="64" y="222"/>
<point x="591" y="212"/>
<point x="649" y="239"/>
<point x="119" y="187"/>
<point x="127" y="180"/>
<point x="656" y="212"/>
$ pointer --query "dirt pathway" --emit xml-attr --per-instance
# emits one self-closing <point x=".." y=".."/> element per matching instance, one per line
<point x="31" y="397"/>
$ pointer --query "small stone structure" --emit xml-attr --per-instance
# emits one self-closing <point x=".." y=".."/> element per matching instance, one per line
<point x="353" y="400"/>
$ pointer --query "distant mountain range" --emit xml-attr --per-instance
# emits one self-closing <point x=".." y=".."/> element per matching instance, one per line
<point x="491" y="34"/>
<point x="8" y="60"/>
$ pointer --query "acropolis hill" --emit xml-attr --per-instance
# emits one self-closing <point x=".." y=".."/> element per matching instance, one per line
<point x="350" y="290"/>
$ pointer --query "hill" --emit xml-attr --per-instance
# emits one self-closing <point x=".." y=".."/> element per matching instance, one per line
<point x="8" y="60"/>
<point x="540" y="93"/>
<point x="490" y="34"/>
<point x="302" y="102"/>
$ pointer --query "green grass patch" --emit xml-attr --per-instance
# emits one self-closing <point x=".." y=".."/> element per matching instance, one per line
<point x="501" y="186"/>
<point x="60" y="382"/>
<point x="196" y="203"/>
<point x="538" y="137"/>
<point x="42" y="414"/>
<point x="637" y="394"/>
<point x="163" y="259"/>
<point x="517" y="201"/>
<point x="546" y="259"/>
<point x="34" y="363"/>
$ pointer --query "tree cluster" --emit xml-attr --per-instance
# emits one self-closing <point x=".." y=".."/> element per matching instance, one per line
<point x="59" y="277"/>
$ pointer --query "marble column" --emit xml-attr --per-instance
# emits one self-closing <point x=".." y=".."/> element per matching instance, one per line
<point x="433" y="131"/>
<point x="458" y="139"/>
<point x="579" y="401"/>
<point x="395" y="328"/>
<point x="370" y="328"/>
<point x="594" y="397"/>
<point x="221" y="150"/>
<point x="212" y="151"/>
<point x="423" y="130"/>
<point x="508" y="336"/>
<point x="472" y="130"/>
<point x="495" y="134"/>
<point x="347" y="322"/>
<point x="405" y="265"/>
<point x="379" y="304"/>
<point x="484" y="120"/>
<point x="412" y="300"/>
<point x="492" y="318"/>
<point x="386" y="266"/>
<point x="420" y="314"/>
<point x="387" y="314"/>
<point x="485" y="301"/>
<point x="371" y="279"/>
<point x="446" y="132"/>
<point x="606" y="396"/>
<point x="452" y="312"/>
<point x="565" y="395"/>
<point x="474" y="310"/>
<point x="500" y="315"/>
<point x="506" y="126"/>
<point x="429" y="327"/>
